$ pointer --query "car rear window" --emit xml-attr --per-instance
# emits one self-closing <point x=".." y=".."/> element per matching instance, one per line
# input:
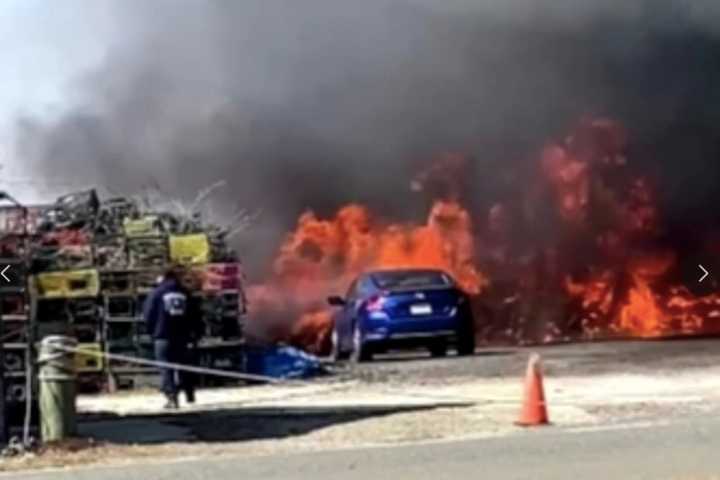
<point x="411" y="279"/>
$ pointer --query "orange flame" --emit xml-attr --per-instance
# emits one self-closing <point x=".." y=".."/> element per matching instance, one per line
<point x="642" y="315"/>
<point x="574" y="244"/>
<point x="321" y="257"/>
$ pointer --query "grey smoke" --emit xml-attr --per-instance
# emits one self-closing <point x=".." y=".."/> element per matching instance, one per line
<point x="313" y="104"/>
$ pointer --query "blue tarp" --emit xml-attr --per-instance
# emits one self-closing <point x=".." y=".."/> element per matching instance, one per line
<point x="281" y="362"/>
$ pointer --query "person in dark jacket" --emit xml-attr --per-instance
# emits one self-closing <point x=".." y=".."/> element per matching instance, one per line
<point x="173" y="320"/>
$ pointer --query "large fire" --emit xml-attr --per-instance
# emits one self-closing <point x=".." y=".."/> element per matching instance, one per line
<point x="322" y="257"/>
<point x="579" y="254"/>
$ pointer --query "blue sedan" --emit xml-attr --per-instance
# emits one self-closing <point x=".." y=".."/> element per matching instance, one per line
<point x="402" y="308"/>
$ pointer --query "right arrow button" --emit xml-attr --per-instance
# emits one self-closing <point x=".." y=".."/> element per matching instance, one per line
<point x="705" y="273"/>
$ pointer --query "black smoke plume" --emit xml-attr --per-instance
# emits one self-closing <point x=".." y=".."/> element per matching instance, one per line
<point x="313" y="104"/>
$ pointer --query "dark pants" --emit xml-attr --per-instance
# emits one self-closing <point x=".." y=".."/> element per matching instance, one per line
<point x="174" y="380"/>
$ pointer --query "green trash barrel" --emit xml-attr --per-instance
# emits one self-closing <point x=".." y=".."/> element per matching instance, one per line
<point x="57" y="388"/>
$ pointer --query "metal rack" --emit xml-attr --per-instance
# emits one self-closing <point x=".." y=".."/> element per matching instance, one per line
<point x="90" y="277"/>
<point x="18" y="384"/>
<point x="122" y="295"/>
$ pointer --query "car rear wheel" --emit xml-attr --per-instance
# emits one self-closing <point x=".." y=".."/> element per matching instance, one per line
<point x="361" y="351"/>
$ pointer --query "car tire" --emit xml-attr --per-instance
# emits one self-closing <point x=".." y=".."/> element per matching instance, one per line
<point x="361" y="351"/>
<point x="336" y="353"/>
<point x="438" y="349"/>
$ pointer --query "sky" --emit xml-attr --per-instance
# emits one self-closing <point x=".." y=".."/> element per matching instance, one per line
<point x="46" y="46"/>
<point x="280" y="96"/>
<point x="51" y="48"/>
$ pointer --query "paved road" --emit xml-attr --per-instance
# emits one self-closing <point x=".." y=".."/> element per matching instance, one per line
<point x="685" y="450"/>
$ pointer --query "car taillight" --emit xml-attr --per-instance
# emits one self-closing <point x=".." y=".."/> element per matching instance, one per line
<point x="375" y="303"/>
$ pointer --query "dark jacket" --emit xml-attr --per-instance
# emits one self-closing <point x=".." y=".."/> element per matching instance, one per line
<point x="172" y="314"/>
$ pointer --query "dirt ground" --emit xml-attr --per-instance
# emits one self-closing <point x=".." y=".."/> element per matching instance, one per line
<point x="403" y="398"/>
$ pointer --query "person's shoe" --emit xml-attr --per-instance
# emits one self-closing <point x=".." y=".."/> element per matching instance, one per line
<point x="172" y="403"/>
<point x="190" y="397"/>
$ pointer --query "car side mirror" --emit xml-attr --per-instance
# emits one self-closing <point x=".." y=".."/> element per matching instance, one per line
<point x="336" y="301"/>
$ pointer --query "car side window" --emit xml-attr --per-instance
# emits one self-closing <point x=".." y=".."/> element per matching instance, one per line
<point x="352" y="292"/>
<point x="366" y="287"/>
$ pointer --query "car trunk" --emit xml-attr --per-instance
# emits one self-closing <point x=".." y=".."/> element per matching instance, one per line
<point x="421" y="303"/>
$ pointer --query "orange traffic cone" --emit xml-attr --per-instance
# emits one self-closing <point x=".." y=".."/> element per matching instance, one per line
<point x="534" y="410"/>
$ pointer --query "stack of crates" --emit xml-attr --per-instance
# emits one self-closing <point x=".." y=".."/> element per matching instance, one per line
<point x="67" y="304"/>
<point x="17" y="349"/>
<point x="123" y="295"/>
<point x="218" y="288"/>
<point x="17" y="332"/>
<point x="124" y="291"/>
<point x="223" y="299"/>
<point x="93" y="264"/>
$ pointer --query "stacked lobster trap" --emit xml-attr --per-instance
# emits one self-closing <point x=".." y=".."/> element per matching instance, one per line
<point x="91" y="265"/>
<point x="18" y="392"/>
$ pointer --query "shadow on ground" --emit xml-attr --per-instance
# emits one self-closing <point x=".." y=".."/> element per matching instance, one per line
<point x="228" y="425"/>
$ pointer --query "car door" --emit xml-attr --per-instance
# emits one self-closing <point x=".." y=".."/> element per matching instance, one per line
<point x="346" y="318"/>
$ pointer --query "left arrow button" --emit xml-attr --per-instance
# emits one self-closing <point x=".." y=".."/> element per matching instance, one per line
<point x="4" y="272"/>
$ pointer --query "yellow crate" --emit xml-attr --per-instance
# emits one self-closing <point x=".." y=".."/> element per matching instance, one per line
<point x="148" y="226"/>
<point x="74" y="284"/>
<point x="189" y="249"/>
<point x="89" y="362"/>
